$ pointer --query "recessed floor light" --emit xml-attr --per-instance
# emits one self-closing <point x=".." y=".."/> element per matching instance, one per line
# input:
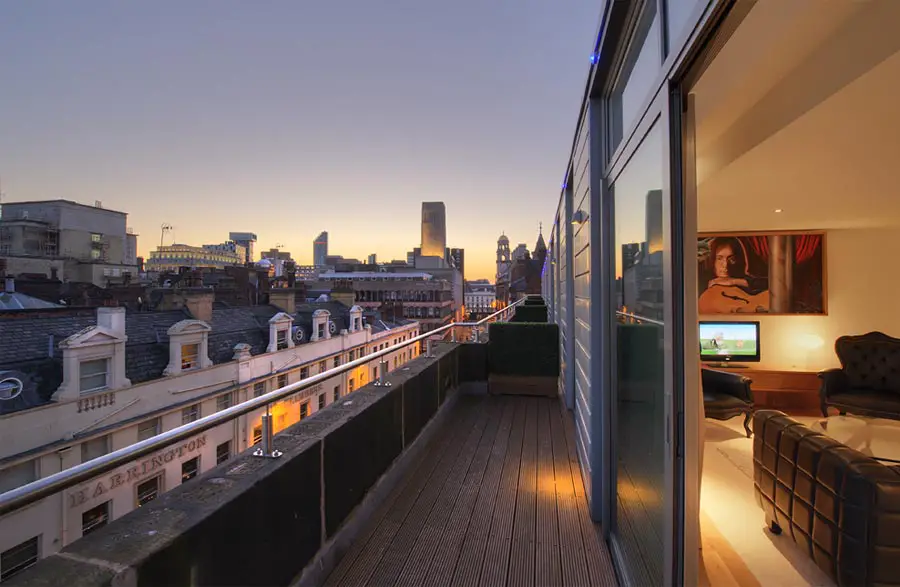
<point x="778" y="210"/>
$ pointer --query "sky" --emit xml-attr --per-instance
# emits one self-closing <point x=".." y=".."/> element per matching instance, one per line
<point x="290" y="117"/>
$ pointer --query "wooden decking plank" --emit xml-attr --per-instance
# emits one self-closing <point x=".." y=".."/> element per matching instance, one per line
<point x="547" y="557"/>
<point x="359" y="563"/>
<point x="522" y="556"/>
<point x="394" y="557"/>
<point x="571" y="542"/>
<point x="599" y="563"/>
<point x="435" y="524"/>
<point x="496" y="558"/>
<point x="444" y="560"/>
<point x="471" y="556"/>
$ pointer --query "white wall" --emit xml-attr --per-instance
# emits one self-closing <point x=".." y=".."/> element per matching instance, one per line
<point x="861" y="287"/>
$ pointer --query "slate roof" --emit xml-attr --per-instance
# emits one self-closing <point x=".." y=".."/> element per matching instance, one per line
<point x="31" y="341"/>
<point x="20" y="301"/>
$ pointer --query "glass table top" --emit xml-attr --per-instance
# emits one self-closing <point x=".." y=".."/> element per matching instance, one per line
<point x="875" y="437"/>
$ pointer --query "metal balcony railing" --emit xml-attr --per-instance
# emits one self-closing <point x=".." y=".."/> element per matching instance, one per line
<point x="52" y="484"/>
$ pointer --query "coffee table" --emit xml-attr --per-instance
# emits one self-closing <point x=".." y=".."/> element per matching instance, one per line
<point x="878" y="438"/>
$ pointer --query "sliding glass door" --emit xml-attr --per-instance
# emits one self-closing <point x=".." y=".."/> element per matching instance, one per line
<point x="643" y="533"/>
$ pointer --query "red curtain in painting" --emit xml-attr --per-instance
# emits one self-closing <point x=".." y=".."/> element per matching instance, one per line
<point x="805" y="246"/>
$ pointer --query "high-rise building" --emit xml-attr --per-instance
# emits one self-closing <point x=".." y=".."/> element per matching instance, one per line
<point x="320" y="249"/>
<point x="373" y="259"/>
<point x="246" y="240"/>
<point x="434" y="229"/>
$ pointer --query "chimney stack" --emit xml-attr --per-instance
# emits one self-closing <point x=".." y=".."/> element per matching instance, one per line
<point x="10" y="285"/>
<point x="112" y="319"/>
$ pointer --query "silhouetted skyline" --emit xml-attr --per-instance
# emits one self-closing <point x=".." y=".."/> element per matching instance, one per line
<point x="287" y="118"/>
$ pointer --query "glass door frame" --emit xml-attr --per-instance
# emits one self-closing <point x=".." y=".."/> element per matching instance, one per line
<point x="658" y="112"/>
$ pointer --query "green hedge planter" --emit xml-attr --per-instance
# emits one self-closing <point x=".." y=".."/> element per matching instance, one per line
<point x="533" y="300"/>
<point x="523" y="358"/>
<point x="526" y="313"/>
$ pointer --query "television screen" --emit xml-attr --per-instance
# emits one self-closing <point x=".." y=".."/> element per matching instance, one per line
<point x="729" y="341"/>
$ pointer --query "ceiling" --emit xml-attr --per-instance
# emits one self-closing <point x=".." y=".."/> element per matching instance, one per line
<point x="798" y="112"/>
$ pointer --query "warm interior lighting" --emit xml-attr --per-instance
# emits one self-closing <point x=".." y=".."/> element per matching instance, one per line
<point x="778" y="210"/>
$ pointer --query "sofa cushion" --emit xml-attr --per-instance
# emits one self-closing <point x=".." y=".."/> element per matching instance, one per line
<point x="871" y="361"/>
<point x="879" y="401"/>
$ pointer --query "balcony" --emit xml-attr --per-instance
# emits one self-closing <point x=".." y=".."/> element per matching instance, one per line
<point x="420" y="478"/>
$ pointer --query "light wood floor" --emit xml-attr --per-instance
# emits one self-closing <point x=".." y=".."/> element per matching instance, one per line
<point x="720" y="565"/>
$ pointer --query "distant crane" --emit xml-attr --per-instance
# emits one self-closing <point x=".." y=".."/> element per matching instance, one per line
<point x="163" y="230"/>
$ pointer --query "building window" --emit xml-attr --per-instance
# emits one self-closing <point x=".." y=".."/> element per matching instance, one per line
<point x="323" y="366"/>
<point x="223" y="452"/>
<point x="190" y="469"/>
<point x="148" y="429"/>
<point x="93" y="375"/>
<point x="282" y="380"/>
<point x="350" y="384"/>
<point x="148" y="490"/>
<point x="321" y="400"/>
<point x="94" y="448"/>
<point x="18" y="558"/>
<point x="304" y="373"/>
<point x="95" y="254"/>
<point x="374" y="372"/>
<point x="337" y="393"/>
<point x="257" y="435"/>
<point x="223" y="402"/>
<point x="304" y="410"/>
<point x="95" y="518"/>
<point x="190" y="414"/>
<point x="95" y="238"/>
<point x="352" y="354"/>
<point x="18" y="475"/>
<point x="259" y="388"/>
<point x="281" y="340"/>
<point x="337" y="362"/>
<point x="190" y="353"/>
<point x="320" y="330"/>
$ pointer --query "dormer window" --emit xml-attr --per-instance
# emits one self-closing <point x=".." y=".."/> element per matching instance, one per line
<point x="188" y="347"/>
<point x="93" y="375"/>
<point x="280" y="327"/>
<point x="190" y="356"/>
<point x="322" y="325"/>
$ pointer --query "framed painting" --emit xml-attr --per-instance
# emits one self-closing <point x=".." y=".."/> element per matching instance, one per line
<point x="762" y="273"/>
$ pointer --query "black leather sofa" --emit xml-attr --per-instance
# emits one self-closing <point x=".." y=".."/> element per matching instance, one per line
<point x="839" y="505"/>
<point x="868" y="382"/>
<point x="726" y="395"/>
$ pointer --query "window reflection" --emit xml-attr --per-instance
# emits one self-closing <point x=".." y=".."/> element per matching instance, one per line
<point x="637" y="77"/>
<point x="640" y="385"/>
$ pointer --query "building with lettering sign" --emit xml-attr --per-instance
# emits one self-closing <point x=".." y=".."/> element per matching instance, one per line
<point x="78" y="384"/>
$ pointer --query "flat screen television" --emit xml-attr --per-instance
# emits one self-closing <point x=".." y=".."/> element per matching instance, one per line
<point x="729" y="342"/>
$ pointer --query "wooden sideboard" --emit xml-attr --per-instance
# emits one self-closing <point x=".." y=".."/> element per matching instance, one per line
<point x="791" y="391"/>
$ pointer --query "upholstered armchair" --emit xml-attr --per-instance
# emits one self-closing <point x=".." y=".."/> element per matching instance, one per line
<point x="726" y="395"/>
<point x="868" y="382"/>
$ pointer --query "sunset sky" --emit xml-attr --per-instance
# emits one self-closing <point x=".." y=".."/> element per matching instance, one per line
<point x="289" y="117"/>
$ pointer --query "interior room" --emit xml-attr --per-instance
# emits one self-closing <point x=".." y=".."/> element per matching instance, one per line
<point x="797" y="150"/>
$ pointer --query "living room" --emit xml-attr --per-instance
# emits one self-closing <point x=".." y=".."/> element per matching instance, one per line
<point x="795" y="134"/>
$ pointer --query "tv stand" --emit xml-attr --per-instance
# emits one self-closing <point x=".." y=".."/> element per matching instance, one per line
<point x="793" y="391"/>
<point x="729" y="365"/>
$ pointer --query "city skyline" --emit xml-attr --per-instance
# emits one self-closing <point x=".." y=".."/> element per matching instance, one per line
<point x="235" y="118"/>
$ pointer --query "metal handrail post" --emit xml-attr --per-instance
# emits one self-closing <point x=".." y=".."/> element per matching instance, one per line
<point x="267" y="450"/>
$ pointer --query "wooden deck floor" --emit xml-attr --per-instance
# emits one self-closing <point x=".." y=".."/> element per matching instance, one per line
<point x="496" y="499"/>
